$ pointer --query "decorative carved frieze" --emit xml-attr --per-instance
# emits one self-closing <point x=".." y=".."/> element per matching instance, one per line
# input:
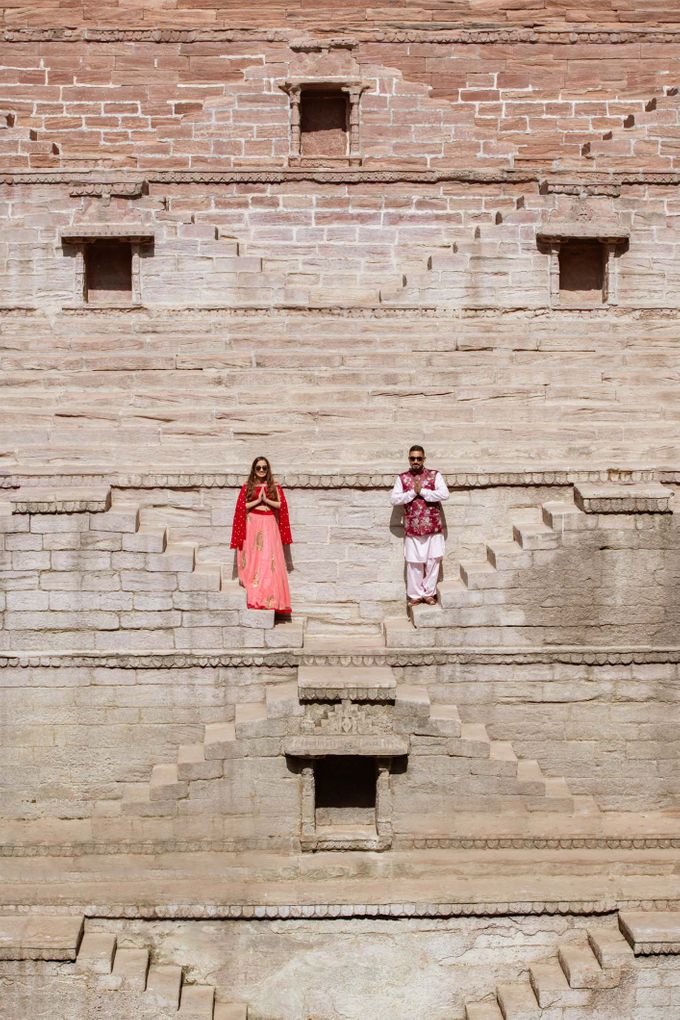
<point x="421" y="34"/>
<point x="400" y="657"/>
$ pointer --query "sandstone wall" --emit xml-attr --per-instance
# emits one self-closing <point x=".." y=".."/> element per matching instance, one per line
<point x="180" y="105"/>
<point x="92" y="729"/>
<point x="290" y="970"/>
<point x="303" y="14"/>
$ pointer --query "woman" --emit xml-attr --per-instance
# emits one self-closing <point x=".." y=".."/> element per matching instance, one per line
<point x="259" y="531"/>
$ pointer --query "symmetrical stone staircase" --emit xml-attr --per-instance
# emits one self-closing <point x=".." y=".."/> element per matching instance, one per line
<point x="471" y="607"/>
<point x="171" y="784"/>
<point x="572" y="978"/>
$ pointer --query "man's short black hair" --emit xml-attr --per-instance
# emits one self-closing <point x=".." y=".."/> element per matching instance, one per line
<point x="416" y="447"/>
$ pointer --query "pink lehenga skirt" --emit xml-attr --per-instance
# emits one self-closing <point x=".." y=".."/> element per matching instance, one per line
<point x="261" y="565"/>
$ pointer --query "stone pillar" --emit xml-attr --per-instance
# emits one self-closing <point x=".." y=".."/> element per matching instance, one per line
<point x="354" y="93"/>
<point x="383" y="799"/>
<point x="295" y="140"/>
<point x="81" y="283"/>
<point x="554" y="273"/>
<point x="610" y="294"/>
<point x="136" y="289"/>
<point x="308" y="830"/>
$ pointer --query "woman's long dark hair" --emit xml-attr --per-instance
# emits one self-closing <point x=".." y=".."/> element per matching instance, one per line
<point x="252" y="481"/>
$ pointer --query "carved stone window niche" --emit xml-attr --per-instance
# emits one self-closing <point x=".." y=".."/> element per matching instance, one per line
<point x="345" y="752"/>
<point x="583" y="258"/>
<point x="324" y="122"/>
<point x="108" y="270"/>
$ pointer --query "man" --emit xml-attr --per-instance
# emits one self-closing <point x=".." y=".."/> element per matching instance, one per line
<point x="420" y="491"/>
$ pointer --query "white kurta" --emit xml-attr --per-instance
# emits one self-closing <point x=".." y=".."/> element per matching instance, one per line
<point x="421" y="548"/>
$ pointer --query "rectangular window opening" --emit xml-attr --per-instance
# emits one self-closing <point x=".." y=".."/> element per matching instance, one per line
<point x="582" y="272"/>
<point x="108" y="272"/>
<point x="324" y="122"/>
<point x="345" y="790"/>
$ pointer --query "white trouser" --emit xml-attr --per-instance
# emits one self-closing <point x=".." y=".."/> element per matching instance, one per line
<point x="421" y="578"/>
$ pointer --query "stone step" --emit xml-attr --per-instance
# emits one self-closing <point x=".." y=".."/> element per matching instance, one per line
<point x="610" y="947"/>
<point x="165" y="783"/>
<point x="582" y="969"/>
<point x="473" y="742"/>
<point x="96" y="953"/>
<point x="196" y="1002"/>
<point x="204" y="577"/>
<point x="180" y="558"/>
<point x="219" y="738"/>
<point x="230" y="1011"/>
<point x="455" y="594"/>
<point x="507" y="556"/>
<point x="561" y="516"/>
<point x="248" y="717"/>
<point x="548" y="982"/>
<point x="489" y="1010"/>
<point x="479" y="574"/>
<point x="121" y="517"/>
<point x="130" y="968"/>
<point x="146" y="540"/>
<point x="163" y="985"/>
<point x="192" y="764"/>
<point x="517" y="1001"/>
<point x="531" y="778"/>
<point x="533" y="537"/>
<point x="557" y="797"/>
<point x="445" y="720"/>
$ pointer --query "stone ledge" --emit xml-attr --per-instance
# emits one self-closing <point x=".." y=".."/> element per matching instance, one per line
<point x="293" y="657"/>
<point x="360" y="478"/>
<point x="146" y="847"/>
<point x="577" y="230"/>
<point x="293" y="911"/>
<point x="609" y="498"/>
<point x="652" y="932"/>
<point x="36" y="937"/>
<point x="329" y="745"/>
<point x="114" y="231"/>
<point x="71" y="500"/>
<point x="365" y="683"/>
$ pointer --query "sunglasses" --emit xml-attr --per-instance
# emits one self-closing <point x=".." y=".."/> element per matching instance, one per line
<point x="416" y="458"/>
<point x="260" y="467"/>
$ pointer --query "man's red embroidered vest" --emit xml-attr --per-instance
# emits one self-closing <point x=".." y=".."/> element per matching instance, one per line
<point x="420" y="517"/>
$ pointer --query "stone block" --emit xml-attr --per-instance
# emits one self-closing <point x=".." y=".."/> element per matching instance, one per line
<point x="262" y="619"/>
<point x="651" y="931"/>
<point x="163" y="985"/>
<point x="96" y="952"/>
<point x="40" y="937"/>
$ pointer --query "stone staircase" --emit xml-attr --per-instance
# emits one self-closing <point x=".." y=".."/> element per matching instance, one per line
<point x="471" y="607"/>
<point x="644" y="130"/>
<point x="572" y="979"/>
<point x="171" y="784"/>
<point x="117" y="966"/>
<point x="114" y="964"/>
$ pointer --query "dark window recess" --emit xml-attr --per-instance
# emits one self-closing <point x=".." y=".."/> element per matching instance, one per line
<point x="108" y="272"/>
<point x="324" y="122"/>
<point x="581" y="272"/>
<point x="345" y="790"/>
